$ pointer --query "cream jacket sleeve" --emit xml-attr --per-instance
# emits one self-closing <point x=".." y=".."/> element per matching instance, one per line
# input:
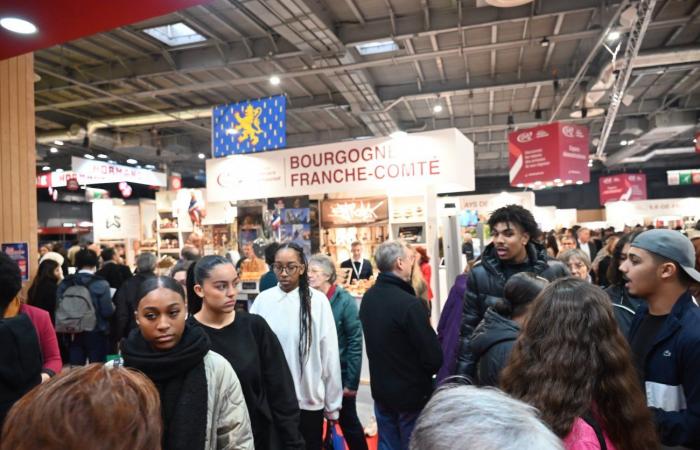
<point x="229" y="422"/>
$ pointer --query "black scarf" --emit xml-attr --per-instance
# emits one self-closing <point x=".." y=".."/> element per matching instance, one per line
<point x="181" y="380"/>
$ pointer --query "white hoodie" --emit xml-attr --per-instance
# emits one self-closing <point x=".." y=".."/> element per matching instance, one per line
<point x="319" y="385"/>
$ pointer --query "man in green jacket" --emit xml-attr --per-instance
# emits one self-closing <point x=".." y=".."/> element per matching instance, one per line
<point x="347" y="323"/>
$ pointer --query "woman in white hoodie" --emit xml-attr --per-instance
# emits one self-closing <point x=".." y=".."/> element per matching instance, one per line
<point x="302" y="319"/>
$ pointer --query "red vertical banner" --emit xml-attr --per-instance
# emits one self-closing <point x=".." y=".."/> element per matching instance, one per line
<point x="697" y="142"/>
<point x="553" y="153"/>
<point x="622" y="187"/>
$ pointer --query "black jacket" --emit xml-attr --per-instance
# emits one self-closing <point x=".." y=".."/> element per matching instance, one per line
<point x="20" y="360"/>
<point x="624" y="307"/>
<point x="365" y="273"/>
<point x="402" y="348"/>
<point x="125" y="301"/>
<point x="485" y="287"/>
<point x="114" y="273"/>
<point x="491" y="344"/>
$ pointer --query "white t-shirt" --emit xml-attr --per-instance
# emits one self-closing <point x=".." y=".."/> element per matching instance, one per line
<point x="320" y="386"/>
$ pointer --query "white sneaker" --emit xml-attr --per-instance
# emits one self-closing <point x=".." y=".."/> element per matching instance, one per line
<point x="371" y="429"/>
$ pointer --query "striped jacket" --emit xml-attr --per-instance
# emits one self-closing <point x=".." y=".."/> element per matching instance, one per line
<point x="672" y="373"/>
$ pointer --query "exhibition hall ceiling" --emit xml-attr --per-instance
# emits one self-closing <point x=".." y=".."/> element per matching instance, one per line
<point x="359" y="68"/>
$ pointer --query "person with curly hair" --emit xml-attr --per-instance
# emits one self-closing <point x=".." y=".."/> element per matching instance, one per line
<point x="513" y="249"/>
<point x="572" y="363"/>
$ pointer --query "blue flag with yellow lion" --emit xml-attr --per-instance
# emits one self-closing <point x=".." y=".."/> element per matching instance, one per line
<point x="249" y="127"/>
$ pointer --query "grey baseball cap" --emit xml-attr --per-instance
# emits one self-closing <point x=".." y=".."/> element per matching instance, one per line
<point x="672" y="245"/>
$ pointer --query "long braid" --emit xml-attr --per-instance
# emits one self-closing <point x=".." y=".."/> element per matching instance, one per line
<point x="305" y="334"/>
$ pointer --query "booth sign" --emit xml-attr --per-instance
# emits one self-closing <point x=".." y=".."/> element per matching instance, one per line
<point x="443" y="159"/>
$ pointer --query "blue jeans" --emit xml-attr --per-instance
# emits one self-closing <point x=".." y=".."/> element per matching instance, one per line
<point x="394" y="427"/>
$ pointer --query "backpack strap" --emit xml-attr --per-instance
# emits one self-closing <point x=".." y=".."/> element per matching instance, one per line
<point x="590" y="420"/>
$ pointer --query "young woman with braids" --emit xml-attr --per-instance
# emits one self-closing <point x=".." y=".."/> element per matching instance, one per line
<point x="573" y="364"/>
<point x="302" y="319"/>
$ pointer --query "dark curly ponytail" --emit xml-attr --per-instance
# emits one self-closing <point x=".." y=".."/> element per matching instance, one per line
<point x="305" y="307"/>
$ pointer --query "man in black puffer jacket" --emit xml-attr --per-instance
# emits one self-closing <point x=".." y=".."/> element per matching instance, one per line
<point x="511" y="251"/>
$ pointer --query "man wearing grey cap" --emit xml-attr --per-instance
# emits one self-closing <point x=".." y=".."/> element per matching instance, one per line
<point x="665" y="334"/>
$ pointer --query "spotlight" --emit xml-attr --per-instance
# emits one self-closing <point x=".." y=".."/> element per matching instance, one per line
<point x="437" y="108"/>
<point x="102" y="156"/>
<point x="53" y="150"/>
<point x="46" y="168"/>
<point x="274" y="80"/>
<point x="131" y="161"/>
<point x="57" y="142"/>
<point x="201" y="156"/>
<point x="89" y="156"/>
<point x="544" y="42"/>
<point x="17" y="25"/>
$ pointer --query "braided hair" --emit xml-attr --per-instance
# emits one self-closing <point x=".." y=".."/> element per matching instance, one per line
<point x="305" y="308"/>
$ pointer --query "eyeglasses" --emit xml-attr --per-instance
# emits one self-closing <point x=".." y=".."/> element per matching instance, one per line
<point x="289" y="268"/>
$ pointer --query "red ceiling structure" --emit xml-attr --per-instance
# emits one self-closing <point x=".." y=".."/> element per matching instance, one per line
<point x="61" y="21"/>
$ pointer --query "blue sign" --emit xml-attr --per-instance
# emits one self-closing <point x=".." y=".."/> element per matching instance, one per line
<point x="19" y="253"/>
<point x="249" y="127"/>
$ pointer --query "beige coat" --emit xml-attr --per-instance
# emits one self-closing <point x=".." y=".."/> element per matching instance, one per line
<point x="228" y="424"/>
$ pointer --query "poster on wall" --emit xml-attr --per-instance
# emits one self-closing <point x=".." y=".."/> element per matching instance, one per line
<point x="112" y="221"/>
<point x="250" y="126"/>
<point x="290" y="220"/>
<point x="555" y="153"/>
<point x="622" y="187"/>
<point x="19" y="253"/>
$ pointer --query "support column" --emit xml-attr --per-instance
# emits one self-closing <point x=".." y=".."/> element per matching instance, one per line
<point x="18" y="209"/>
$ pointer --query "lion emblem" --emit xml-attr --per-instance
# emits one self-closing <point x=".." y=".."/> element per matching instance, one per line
<point x="249" y="125"/>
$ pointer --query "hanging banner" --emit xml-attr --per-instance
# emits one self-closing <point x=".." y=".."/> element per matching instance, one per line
<point x="622" y="187"/>
<point x="556" y="153"/>
<point x="249" y="127"/>
<point x="443" y="159"/>
<point x="19" y="253"/>
<point x="86" y="172"/>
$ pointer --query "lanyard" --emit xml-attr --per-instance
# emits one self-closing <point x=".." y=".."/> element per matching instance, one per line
<point x="357" y="272"/>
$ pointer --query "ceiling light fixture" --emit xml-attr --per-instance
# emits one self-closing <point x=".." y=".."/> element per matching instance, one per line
<point x="150" y="166"/>
<point x="275" y="80"/>
<point x="131" y="161"/>
<point x="630" y="142"/>
<point x="57" y="142"/>
<point x="59" y="170"/>
<point x="623" y="142"/>
<point x="613" y="36"/>
<point x="17" y="25"/>
<point x="46" y="168"/>
<point x="544" y="42"/>
<point x="579" y="182"/>
<point x="53" y="150"/>
<point x="376" y="47"/>
<point x="201" y="156"/>
<point x="89" y="156"/>
<point x="102" y="156"/>
<point x="437" y="108"/>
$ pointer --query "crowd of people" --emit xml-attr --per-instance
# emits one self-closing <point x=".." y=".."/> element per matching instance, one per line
<point x="591" y="337"/>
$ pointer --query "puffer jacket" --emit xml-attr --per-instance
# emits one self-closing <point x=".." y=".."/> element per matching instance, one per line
<point x="349" y="329"/>
<point x="485" y="286"/>
<point x="491" y="344"/>
<point x="228" y="423"/>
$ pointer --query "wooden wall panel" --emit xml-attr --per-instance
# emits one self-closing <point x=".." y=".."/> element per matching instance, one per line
<point x="18" y="213"/>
